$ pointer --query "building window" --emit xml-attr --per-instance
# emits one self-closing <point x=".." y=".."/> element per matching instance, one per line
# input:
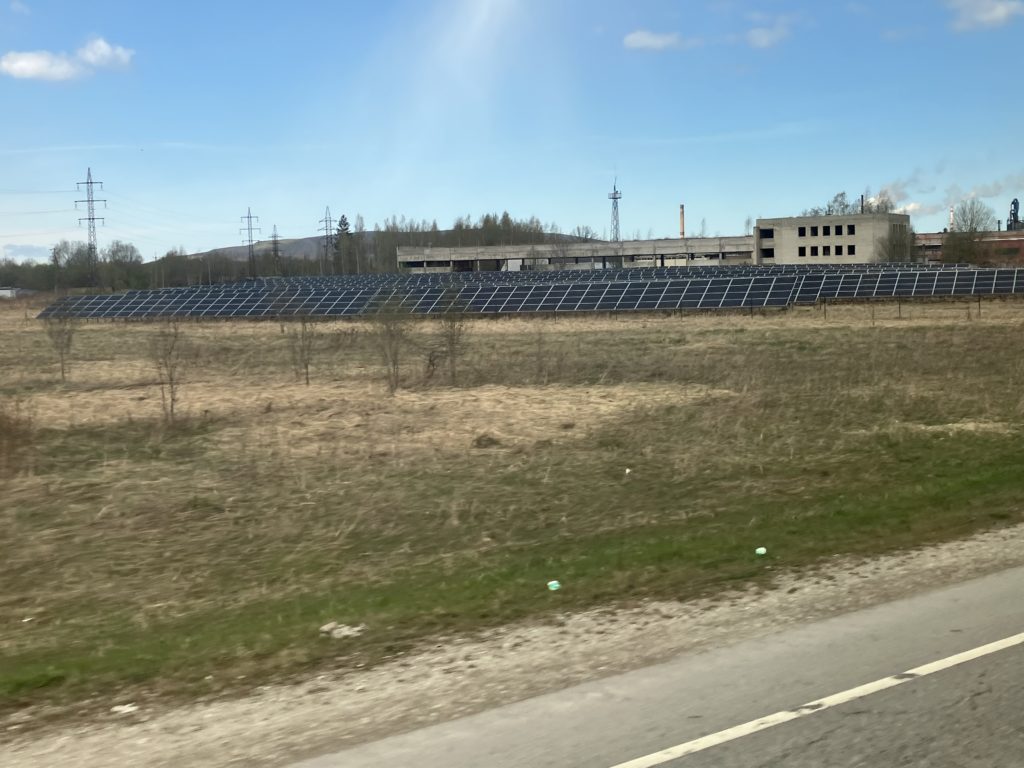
<point x="839" y="229"/>
<point x="766" y="234"/>
<point x="826" y="230"/>
<point x="839" y="250"/>
<point x="851" y="229"/>
<point x="852" y="249"/>
<point x="767" y="253"/>
<point x="814" y="231"/>
<point x="802" y="232"/>
<point x="814" y="250"/>
<point x="802" y="251"/>
<point x="826" y="250"/>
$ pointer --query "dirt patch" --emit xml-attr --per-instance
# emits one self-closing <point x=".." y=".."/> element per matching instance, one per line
<point x="463" y="675"/>
<point x="311" y="421"/>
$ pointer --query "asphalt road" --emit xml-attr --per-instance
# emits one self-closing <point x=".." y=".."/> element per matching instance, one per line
<point x="967" y="713"/>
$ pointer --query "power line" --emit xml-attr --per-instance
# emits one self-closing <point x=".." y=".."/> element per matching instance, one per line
<point x="328" y="230"/>
<point x="163" y="213"/>
<point x="36" y="191"/>
<point x="248" y="218"/>
<point x="35" y="213"/>
<point x="615" y="196"/>
<point x="275" y="251"/>
<point x="91" y="218"/>
<point x="37" y="233"/>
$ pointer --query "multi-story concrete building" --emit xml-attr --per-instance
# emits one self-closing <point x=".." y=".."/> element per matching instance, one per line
<point x="852" y="239"/>
<point x="797" y="240"/>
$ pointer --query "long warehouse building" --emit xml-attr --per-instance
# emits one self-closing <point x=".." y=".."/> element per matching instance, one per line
<point x="795" y="240"/>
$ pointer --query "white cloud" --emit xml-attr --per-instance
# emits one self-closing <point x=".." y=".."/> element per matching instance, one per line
<point x="45" y="65"/>
<point x="39" y="65"/>
<point x="19" y="7"/>
<point x="645" y="40"/>
<point x="769" y="33"/>
<point x="972" y="14"/>
<point x="99" y="53"/>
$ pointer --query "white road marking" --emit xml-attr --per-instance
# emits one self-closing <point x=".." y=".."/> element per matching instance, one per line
<point x="738" y="731"/>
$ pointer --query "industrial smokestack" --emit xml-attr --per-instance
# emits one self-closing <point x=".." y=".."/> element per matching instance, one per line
<point x="862" y="204"/>
<point x="951" y="227"/>
<point x="682" y="221"/>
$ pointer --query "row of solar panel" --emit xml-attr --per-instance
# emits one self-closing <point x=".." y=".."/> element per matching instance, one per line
<point x="849" y="284"/>
<point x="585" y="275"/>
<point x="341" y="282"/>
<point x="703" y="293"/>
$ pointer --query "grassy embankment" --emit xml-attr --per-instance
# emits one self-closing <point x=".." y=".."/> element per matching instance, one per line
<point x="140" y="559"/>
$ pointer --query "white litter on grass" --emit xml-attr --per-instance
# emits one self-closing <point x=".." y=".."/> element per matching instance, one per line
<point x="760" y="551"/>
<point x="27" y="619"/>
<point x="338" y="631"/>
<point x="628" y="470"/>
<point x="554" y="585"/>
<point x="124" y="709"/>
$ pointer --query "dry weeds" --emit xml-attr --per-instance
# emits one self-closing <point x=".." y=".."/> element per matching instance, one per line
<point x="275" y="503"/>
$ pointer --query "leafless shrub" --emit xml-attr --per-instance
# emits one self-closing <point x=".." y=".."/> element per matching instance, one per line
<point x="390" y="325"/>
<point x="549" y="361"/>
<point x="446" y="347"/>
<point x="169" y="354"/>
<point x="302" y="346"/>
<point x="61" y="332"/>
<point x="347" y="338"/>
<point x="453" y="334"/>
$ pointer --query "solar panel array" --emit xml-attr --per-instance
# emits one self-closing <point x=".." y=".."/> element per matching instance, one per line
<point x="632" y="274"/>
<point x="671" y="288"/>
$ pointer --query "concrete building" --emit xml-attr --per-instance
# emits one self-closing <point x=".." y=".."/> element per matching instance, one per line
<point x="592" y="254"/>
<point x="998" y="248"/>
<point x="825" y="239"/>
<point x="15" y="293"/>
<point x="829" y="239"/>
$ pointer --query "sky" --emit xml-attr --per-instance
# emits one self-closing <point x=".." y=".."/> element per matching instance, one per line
<point x="193" y="113"/>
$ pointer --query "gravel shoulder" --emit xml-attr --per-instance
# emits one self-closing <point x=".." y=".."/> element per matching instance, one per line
<point x="462" y="675"/>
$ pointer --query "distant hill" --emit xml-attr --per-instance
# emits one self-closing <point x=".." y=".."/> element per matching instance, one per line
<point x="308" y="248"/>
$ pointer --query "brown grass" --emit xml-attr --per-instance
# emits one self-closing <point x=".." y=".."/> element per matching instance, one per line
<point x="144" y="554"/>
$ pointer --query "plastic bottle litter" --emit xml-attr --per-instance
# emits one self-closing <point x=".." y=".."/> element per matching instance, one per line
<point x="760" y="551"/>
<point x="554" y="585"/>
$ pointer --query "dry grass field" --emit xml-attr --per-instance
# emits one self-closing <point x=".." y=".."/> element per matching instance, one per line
<point x="628" y="457"/>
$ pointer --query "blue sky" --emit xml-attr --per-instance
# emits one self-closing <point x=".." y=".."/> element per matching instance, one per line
<point x="192" y="112"/>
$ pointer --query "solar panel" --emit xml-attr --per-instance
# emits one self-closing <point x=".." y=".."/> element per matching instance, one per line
<point x="560" y="291"/>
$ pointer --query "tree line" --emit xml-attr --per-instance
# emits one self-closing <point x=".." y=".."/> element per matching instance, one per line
<point x="359" y="251"/>
<point x="356" y="250"/>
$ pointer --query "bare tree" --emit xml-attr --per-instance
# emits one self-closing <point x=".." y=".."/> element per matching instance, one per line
<point x="453" y="333"/>
<point x="61" y="332"/>
<point x="391" y="332"/>
<point x="302" y="346"/>
<point x="168" y="352"/>
<point x="970" y="218"/>
<point x="899" y="245"/>
<point x="842" y="205"/>
<point x="973" y="216"/>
